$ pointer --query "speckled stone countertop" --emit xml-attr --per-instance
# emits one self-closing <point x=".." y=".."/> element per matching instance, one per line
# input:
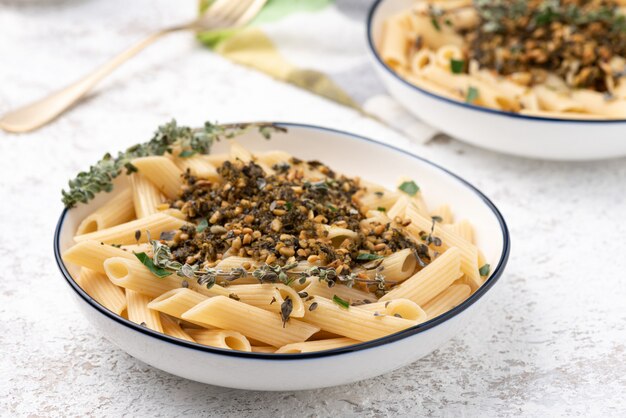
<point x="552" y="340"/>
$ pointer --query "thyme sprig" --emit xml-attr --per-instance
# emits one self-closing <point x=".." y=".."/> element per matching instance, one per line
<point x="99" y="177"/>
<point x="162" y="264"/>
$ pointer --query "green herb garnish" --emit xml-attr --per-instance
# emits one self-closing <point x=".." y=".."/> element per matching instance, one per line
<point x="147" y="261"/>
<point x="343" y="303"/>
<point x="381" y="209"/>
<point x="437" y="218"/>
<point x="99" y="177"/>
<point x="187" y="153"/>
<point x="484" y="270"/>
<point x="472" y="95"/>
<point x="456" y="66"/>
<point x="368" y="257"/>
<point x="435" y="23"/>
<point x="409" y="187"/>
<point x="204" y="224"/>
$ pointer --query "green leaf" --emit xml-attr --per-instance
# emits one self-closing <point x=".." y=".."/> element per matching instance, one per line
<point x="187" y="153"/>
<point x="343" y="303"/>
<point x="472" y="95"/>
<point x="204" y="224"/>
<point x="484" y="270"/>
<point x="456" y="66"/>
<point x="437" y="218"/>
<point x="435" y="23"/>
<point x="381" y="209"/>
<point x="368" y="257"/>
<point x="147" y="261"/>
<point x="409" y="187"/>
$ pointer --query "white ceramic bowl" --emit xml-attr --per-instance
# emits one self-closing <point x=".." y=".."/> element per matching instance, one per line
<point x="352" y="155"/>
<point x="510" y="133"/>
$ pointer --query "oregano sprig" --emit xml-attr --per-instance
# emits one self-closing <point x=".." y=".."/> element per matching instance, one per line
<point x="99" y="177"/>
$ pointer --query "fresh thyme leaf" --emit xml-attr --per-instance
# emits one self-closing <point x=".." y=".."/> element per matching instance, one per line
<point x="456" y="66"/>
<point x="484" y="270"/>
<point x="368" y="257"/>
<point x="437" y="218"/>
<point x="409" y="187"/>
<point x="343" y="303"/>
<point x="204" y="224"/>
<point x="147" y="261"/>
<point x="99" y="177"/>
<point x="167" y="235"/>
<point x="472" y="95"/>
<point x="187" y="153"/>
<point x="435" y="23"/>
<point x="381" y="209"/>
<point x="285" y="310"/>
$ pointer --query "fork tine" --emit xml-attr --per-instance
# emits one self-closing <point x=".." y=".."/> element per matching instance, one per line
<point x="235" y="13"/>
<point x="218" y="6"/>
<point x="231" y="13"/>
<point x="228" y="12"/>
<point x="251" y="12"/>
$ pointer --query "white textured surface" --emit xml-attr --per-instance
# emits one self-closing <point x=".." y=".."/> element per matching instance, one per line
<point x="553" y="340"/>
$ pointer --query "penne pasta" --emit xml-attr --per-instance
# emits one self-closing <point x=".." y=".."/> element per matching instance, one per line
<point x="400" y="265"/>
<point x="162" y="172"/>
<point x="118" y="210"/>
<point x="447" y="48"/>
<point x="320" y="288"/>
<point x="139" y="313"/>
<point x="146" y="197"/>
<point x="99" y="287"/>
<point x="253" y="322"/>
<point x="92" y="254"/>
<point x="469" y="252"/>
<point x="402" y="308"/>
<point x="133" y="275"/>
<point x="197" y="166"/>
<point x="134" y="231"/>
<point x="319" y="345"/>
<point x="176" y="302"/>
<point x="269" y="296"/>
<point x="276" y="254"/>
<point x="353" y="322"/>
<point x="173" y="329"/>
<point x="230" y="340"/>
<point x="429" y="281"/>
<point x="446" y="300"/>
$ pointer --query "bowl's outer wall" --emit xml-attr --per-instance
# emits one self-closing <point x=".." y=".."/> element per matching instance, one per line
<point x="495" y="130"/>
<point x="283" y="372"/>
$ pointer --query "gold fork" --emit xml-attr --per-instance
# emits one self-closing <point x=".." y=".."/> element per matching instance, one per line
<point x="220" y="15"/>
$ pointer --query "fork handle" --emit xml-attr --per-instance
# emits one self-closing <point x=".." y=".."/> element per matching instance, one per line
<point x="37" y="114"/>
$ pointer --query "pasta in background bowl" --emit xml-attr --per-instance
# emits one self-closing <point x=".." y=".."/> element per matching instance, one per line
<point x="424" y="64"/>
<point x="228" y="332"/>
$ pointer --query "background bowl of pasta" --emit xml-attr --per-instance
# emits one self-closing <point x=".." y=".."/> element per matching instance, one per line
<point x="421" y="52"/>
<point x="239" y="323"/>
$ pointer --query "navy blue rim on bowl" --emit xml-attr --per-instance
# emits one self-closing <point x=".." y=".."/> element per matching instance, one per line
<point x="370" y="41"/>
<point x="343" y="350"/>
